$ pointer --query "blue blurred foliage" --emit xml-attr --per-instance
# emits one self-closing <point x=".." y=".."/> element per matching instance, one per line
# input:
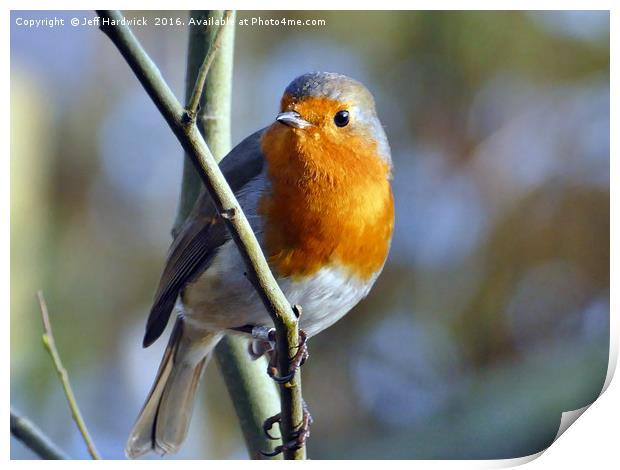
<point x="492" y="315"/>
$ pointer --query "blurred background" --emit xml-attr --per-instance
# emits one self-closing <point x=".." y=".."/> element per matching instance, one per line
<point x="492" y="314"/>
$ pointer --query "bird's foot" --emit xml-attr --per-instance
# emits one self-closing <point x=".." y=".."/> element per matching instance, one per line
<point x="300" y="358"/>
<point x="263" y="339"/>
<point x="298" y="438"/>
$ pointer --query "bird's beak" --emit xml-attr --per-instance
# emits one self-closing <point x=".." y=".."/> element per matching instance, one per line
<point x="292" y="119"/>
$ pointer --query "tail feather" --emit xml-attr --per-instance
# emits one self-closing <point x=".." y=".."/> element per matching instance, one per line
<point x="163" y="422"/>
<point x="175" y="408"/>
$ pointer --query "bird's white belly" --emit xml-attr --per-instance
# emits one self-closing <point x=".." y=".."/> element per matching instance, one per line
<point x="223" y="298"/>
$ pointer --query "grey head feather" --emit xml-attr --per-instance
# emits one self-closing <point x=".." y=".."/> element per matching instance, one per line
<point x="342" y="88"/>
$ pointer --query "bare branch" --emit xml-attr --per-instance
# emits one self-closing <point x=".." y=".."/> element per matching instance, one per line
<point x="50" y="346"/>
<point x="33" y="438"/>
<point x="280" y="310"/>
<point x="194" y="101"/>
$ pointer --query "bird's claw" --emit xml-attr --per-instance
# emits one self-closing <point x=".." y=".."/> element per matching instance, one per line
<point x="268" y="424"/>
<point x="299" y="437"/>
<point x="300" y="358"/>
<point x="273" y="373"/>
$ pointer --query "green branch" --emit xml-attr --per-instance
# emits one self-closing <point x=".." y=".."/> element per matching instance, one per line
<point x="33" y="438"/>
<point x="50" y="346"/>
<point x="201" y="77"/>
<point x="186" y="131"/>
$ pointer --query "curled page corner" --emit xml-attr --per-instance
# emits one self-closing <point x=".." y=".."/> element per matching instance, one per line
<point x="517" y="461"/>
<point x="568" y="417"/>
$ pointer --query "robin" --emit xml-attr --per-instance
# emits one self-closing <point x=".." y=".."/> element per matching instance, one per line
<point x="315" y="187"/>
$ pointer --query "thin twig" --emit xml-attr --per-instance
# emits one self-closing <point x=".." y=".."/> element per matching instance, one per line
<point x="279" y="309"/>
<point x="33" y="438"/>
<point x="50" y="346"/>
<point x="194" y="101"/>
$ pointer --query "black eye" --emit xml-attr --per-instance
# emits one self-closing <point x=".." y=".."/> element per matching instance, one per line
<point x="341" y="118"/>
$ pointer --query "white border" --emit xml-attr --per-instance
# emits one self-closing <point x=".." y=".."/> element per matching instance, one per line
<point x="316" y="5"/>
<point x="592" y="442"/>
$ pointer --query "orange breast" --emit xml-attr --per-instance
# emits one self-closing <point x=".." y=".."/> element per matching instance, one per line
<point x="331" y="203"/>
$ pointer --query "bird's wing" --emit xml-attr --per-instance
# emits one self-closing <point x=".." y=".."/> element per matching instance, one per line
<point x="201" y="235"/>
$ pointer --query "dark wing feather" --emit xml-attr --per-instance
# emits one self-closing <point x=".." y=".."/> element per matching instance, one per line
<point x="200" y="236"/>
